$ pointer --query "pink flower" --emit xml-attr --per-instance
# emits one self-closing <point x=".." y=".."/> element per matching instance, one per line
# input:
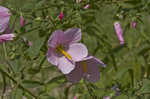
<point x="64" y="50"/>
<point x="134" y="24"/>
<point x="74" y="97"/>
<point x="107" y="97"/>
<point x="4" y="18"/>
<point x="86" y="6"/>
<point x="61" y="15"/>
<point x="22" y="21"/>
<point x="6" y="37"/>
<point x="119" y="32"/>
<point x="29" y="43"/>
<point x="87" y="69"/>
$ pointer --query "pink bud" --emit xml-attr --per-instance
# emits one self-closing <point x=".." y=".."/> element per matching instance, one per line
<point x="119" y="32"/>
<point x="22" y="21"/>
<point x="134" y="24"/>
<point x="86" y="6"/>
<point x="61" y="15"/>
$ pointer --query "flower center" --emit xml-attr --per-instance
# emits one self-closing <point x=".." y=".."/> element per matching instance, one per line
<point x="61" y="50"/>
<point x="84" y="67"/>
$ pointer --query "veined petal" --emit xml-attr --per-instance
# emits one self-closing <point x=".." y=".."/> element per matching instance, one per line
<point x="4" y="18"/>
<point x="72" y="35"/>
<point x="65" y="65"/>
<point x="51" y="57"/>
<point x="56" y="38"/>
<point x="77" y="51"/>
<point x="92" y="74"/>
<point x="75" y="75"/>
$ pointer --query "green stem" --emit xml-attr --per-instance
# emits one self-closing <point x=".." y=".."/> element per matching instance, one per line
<point x="6" y="58"/>
<point x="19" y="85"/>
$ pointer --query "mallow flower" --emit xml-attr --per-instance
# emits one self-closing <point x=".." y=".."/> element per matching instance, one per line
<point x="64" y="49"/>
<point x="6" y="37"/>
<point x="87" y="68"/>
<point x="119" y="32"/>
<point x="4" y="18"/>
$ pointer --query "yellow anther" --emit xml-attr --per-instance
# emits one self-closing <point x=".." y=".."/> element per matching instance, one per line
<point x="84" y="66"/>
<point x="67" y="55"/>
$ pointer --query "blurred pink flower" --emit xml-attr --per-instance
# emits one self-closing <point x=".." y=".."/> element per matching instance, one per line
<point x="119" y="32"/>
<point x="107" y="97"/>
<point x="87" y="69"/>
<point x="4" y="18"/>
<point x="134" y="24"/>
<point x="75" y="97"/>
<point x="29" y="43"/>
<point x="22" y="22"/>
<point x="64" y="50"/>
<point x="6" y="37"/>
<point x="61" y="15"/>
<point x="86" y="6"/>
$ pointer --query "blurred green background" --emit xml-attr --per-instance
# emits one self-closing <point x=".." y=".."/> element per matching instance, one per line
<point x="127" y="67"/>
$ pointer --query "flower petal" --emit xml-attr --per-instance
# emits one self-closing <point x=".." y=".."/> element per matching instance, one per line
<point x="56" y="38"/>
<point x="72" y="35"/>
<point x="4" y="18"/>
<point x="77" y="51"/>
<point x="51" y="57"/>
<point x="7" y="36"/>
<point x="75" y="75"/>
<point x="65" y="65"/>
<point x="92" y="74"/>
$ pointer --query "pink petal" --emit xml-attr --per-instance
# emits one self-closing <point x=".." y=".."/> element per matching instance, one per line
<point x="4" y="10"/>
<point x="77" y="51"/>
<point x="4" y="18"/>
<point x="56" y="38"/>
<point x="72" y="35"/>
<point x="52" y="58"/>
<point x="75" y="75"/>
<point x="6" y="37"/>
<point x="65" y="65"/>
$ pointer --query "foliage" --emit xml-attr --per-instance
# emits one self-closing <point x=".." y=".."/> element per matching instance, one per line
<point x="25" y="71"/>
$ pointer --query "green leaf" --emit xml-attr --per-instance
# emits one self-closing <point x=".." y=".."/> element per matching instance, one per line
<point x="145" y="88"/>
<point x="31" y="83"/>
